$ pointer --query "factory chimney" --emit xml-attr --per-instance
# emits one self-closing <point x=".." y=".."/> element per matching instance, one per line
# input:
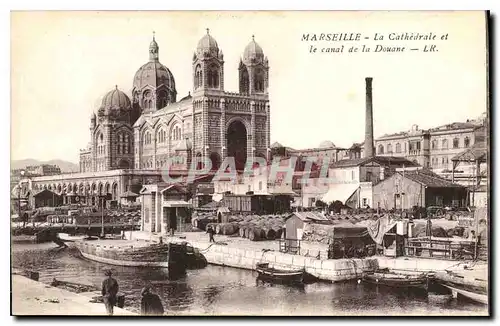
<point x="369" y="145"/>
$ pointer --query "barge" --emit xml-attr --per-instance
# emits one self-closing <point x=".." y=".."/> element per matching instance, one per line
<point x="174" y="257"/>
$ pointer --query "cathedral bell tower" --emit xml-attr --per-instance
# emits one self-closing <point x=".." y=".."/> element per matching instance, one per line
<point x="253" y="70"/>
<point x="208" y="65"/>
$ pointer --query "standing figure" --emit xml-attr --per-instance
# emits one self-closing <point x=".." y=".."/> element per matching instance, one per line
<point x="151" y="303"/>
<point x="109" y="292"/>
<point x="211" y="232"/>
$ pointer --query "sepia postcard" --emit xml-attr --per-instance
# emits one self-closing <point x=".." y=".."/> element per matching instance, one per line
<point x="239" y="163"/>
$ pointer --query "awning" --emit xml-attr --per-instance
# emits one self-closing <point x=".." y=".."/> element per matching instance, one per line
<point x="176" y="203"/>
<point x="129" y="194"/>
<point x="223" y="210"/>
<point x="283" y="193"/>
<point x="217" y="197"/>
<point x="341" y="192"/>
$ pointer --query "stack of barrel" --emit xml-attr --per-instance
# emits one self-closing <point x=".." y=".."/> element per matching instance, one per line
<point x="252" y="227"/>
<point x="259" y="228"/>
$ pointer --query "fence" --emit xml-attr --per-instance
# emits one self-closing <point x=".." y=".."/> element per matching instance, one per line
<point x="440" y="248"/>
<point x="291" y="246"/>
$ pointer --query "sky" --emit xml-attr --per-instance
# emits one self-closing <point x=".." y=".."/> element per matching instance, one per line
<point x="63" y="63"/>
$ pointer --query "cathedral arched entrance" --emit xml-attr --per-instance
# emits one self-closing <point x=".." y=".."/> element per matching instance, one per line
<point x="124" y="164"/>
<point x="237" y="143"/>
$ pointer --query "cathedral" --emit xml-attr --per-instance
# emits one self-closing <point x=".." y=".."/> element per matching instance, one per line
<point x="133" y="137"/>
<point x="146" y="129"/>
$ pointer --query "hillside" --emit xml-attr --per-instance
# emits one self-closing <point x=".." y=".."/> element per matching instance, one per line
<point x="64" y="165"/>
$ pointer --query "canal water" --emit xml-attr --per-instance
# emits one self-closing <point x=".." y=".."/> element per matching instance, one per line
<point x="230" y="291"/>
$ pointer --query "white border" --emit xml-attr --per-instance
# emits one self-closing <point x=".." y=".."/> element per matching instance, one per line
<point x="9" y="5"/>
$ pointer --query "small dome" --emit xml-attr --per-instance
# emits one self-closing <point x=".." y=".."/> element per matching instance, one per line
<point x="154" y="74"/>
<point x="115" y="103"/>
<point x="116" y="99"/>
<point x="184" y="145"/>
<point x="207" y="45"/>
<point x="326" y="144"/>
<point x="253" y="53"/>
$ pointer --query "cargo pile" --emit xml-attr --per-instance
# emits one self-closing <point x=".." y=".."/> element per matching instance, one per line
<point x="252" y="227"/>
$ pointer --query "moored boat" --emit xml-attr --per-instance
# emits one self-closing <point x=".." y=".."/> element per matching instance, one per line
<point x="280" y="275"/>
<point x="136" y="254"/>
<point x="470" y="286"/>
<point x="398" y="279"/>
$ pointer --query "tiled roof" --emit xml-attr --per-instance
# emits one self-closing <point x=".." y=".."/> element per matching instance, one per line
<point x="350" y="162"/>
<point x="310" y="216"/>
<point x="474" y="153"/>
<point x="394" y="160"/>
<point x="454" y="125"/>
<point x="429" y="179"/>
<point x="383" y="160"/>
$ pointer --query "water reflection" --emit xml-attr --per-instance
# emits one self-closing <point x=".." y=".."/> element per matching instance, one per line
<point x="222" y="290"/>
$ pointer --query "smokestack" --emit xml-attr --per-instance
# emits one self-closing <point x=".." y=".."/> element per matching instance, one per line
<point x="369" y="146"/>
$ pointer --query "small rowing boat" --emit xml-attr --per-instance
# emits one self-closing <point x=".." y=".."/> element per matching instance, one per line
<point x="398" y="279"/>
<point x="279" y="275"/>
<point x="470" y="284"/>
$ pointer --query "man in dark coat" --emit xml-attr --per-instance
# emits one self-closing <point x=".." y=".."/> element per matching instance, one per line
<point x="211" y="231"/>
<point x="109" y="292"/>
<point x="151" y="303"/>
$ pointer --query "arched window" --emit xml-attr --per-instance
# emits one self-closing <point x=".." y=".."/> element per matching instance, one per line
<point x="444" y="144"/>
<point x="100" y="144"/>
<point x="381" y="149"/>
<point x="213" y="76"/>
<point x="147" y="138"/>
<point x="466" y="142"/>
<point x="244" y="81"/>
<point x="398" y="148"/>
<point x="389" y="149"/>
<point x="259" y="80"/>
<point x="434" y="144"/>
<point x="198" y="77"/>
<point x="455" y="143"/>
<point x="161" y="136"/>
<point x="175" y="133"/>
<point x="127" y="144"/>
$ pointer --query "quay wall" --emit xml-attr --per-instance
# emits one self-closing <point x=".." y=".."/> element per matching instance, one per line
<point x="327" y="270"/>
<point x="247" y="258"/>
<point x="419" y="264"/>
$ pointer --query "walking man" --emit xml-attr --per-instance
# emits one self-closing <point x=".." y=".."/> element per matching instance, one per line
<point x="151" y="303"/>
<point x="109" y="292"/>
<point x="211" y="231"/>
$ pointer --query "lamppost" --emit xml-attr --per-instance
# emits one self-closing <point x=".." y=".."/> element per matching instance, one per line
<point x="100" y="201"/>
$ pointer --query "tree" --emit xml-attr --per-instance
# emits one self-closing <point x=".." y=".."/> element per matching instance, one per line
<point x="320" y="204"/>
<point x="336" y="206"/>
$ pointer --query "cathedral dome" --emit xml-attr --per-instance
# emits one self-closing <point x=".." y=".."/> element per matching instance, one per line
<point x="115" y="99"/>
<point x="114" y="103"/>
<point x="253" y="53"/>
<point x="154" y="74"/>
<point x="207" y="45"/>
<point x="326" y="144"/>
